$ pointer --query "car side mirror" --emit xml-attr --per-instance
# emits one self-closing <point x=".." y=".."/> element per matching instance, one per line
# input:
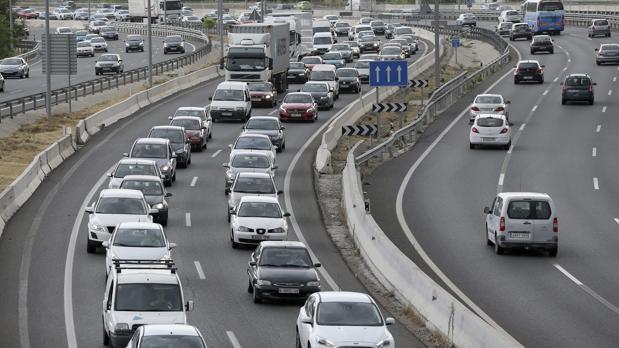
<point x="125" y="154"/>
<point x="170" y="118"/>
<point x="298" y="90"/>
<point x="317" y="264"/>
<point x="286" y="214"/>
<point x="152" y="211"/>
<point x="173" y="155"/>
<point x="306" y="319"/>
<point x="282" y="128"/>
<point x="210" y="98"/>
<point x="90" y="209"/>
<point x="110" y="174"/>
<point x="597" y="49"/>
<point x="105" y="244"/>
<point x="543" y="66"/>
<point x="595" y="83"/>
<point x="252" y="263"/>
<point x="274" y="167"/>
<point x="189" y="306"/>
<point x="225" y="165"/>
<point x="169" y="194"/>
<point x="203" y="127"/>
<point x="389" y="321"/>
<point x="486" y="210"/>
<point x="279" y="192"/>
<point x="508" y="102"/>
<point x="171" y="246"/>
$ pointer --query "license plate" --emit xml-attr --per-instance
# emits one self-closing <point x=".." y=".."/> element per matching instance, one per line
<point x="295" y="114"/>
<point x="527" y="77"/>
<point x="488" y="139"/>
<point x="288" y="291"/>
<point x="259" y="237"/>
<point x="519" y="235"/>
<point x="226" y="114"/>
<point x="255" y="99"/>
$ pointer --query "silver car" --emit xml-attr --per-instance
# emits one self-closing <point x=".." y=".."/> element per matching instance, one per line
<point x="599" y="27"/>
<point x="14" y="67"/>
<point x="489" y="104"/>
<point x="247" y="162"/>
<point x="467" y="19"/>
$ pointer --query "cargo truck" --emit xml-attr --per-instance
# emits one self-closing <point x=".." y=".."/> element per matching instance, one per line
<point x="160" y="9"/>
<point x="258" y="52"/>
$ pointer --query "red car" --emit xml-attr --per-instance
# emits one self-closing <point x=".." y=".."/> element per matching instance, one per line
<point x="298" y="106"/>
<point x="194" y="129"/>
<point x="262" y="93"/>
<point x="27" y="14"/>
<point x="311" y="61"/>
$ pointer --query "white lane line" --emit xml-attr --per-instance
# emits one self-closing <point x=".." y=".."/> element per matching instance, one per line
<point x="193" y="181"/>
<point x="618" y="68"/>
<point x="501" y="179"/>
<point x="556" y="79"/>
<point x="188" y="219"/>
<point x="615" y="79"/>
<point x="216" y="153"/>
<point x="192" y="46"/>
<point x="522" y="126"/>
<point x="617" y="221"/>
<point x="594" y="152"/>
<point x="534" y="108"/>
<point x="510" y="149"/>
<point x="567" y="274"/>
<point x="610" y="92"/>
<point x="199" y="269"/>
<point x="598" y="128"/>
<point x="564" y="69"/>
<point x="233" y="340"/>
<point x="545" y="92"/>
<point x="273" y="112"/>
<point x="596" y="185"/>
<point x="569" y="60"/>
<point x="604" y="109"/>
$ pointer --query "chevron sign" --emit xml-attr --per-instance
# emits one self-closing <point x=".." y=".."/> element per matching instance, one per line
<point x="361" y="129"/>
<point x="419" y="83"/>
<point x="389" y="107"/>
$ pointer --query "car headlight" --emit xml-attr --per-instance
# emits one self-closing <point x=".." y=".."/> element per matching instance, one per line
<point x="180" y="151"/>
<point x="324" y="98"/>
<point x="158" y="206"/>
<point x="165" y="168"/>
<point x="325" y="342"/>
<point x="243" y="229"/>
<point x="165" y="44"/>
<point x="384" y="343"/>
<point x="262" y="282"/>
<point x="165" y="257"/>
<point x="376" y="44"/>
<point x="126" y="44"/>
<point x="96" y="227"/>
<point x="230" y="175"/>
<point x="122" y="328"/>
<point x="313" y="283"/>
<point x="214" y="107"/>
<point x="141" y="43"/>
<point x="239" y="108"/>
<point x="267" y="96"/>
<point x="278" y="230"/>
<point x="282" y="110"/>
<point x="310" y="110"/>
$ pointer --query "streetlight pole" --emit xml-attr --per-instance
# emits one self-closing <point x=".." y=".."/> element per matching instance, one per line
<point x="150" y="46"/>
<point x="437" y="54"/>
<point x="11" y="24"/>
<point x="220" y="29"/>
<point x="48" y="65"/>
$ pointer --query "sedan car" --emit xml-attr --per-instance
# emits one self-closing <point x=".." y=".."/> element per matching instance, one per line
<point x="111" y="208"/>
<point x="529" y="70"/>
<point x="173" y="43"/>
<point x="599" y="27"/>
<point x="167" y="335"/>
<point x="354" y="47"/>
<point x="489" y="104"/>
<point x="194" y="129"/>
<point x="336" y="319"/>
<point x="121" y="15"/>
<point x="258" y="143"/>
<point x="343" y="49"/>
<point x="14" y="67"/>
<point x="510" y="16"/>
<point x="96" y="25"/>
<point x="108" y="33"/>
<point x="251" y="184"/>
<point x="197" y="111"/>
<point x="181" y="144"/>
<point x="191" y="20"/>
<point x="134" y="43"/>
<point x="363" y="67"/>
<point x="366" y="20"/>
<point x="490" y="130"/>
<point x="466" y="19"/>
<point x="282" y="270"/>
<point x="109" y="63"/>
<point x="607" y="53"/>
<point x="321" y="92"/>
<point x="311" y="61"/>
<point x="81" y="14"/>
<point x="267" y="125"/>
<point x="577" y="87"/>
<point x="334" y="58"/>
<point x="80" y="35"/>
<point x="368" y="43"/>
<point x="63" y="14"/>
<point x="542" y="43"/>
<point x="158" y="150"/>
<point x="298" y="72"/>
<point x="247" y="162"/>
<point x="27" y="14"/>
<point x="402" y="44"/>
<point x="64" y="30"/>
<point x="154" y="193"/>
<point x="378" y="27"/>
<point x="132" y="166"/>
<point x="84" y="49"/>
<point x="520" y="30"/>
<point x="262" y="93"/>
<point x="348" y="79"/>
<point x="341" y="28"/>
<point x="391" y="53"/>
<point x="503" y="28"/>
<point x="298" y="106"/>
<point x="98" y="44"/>
<point x="256" y="219"/>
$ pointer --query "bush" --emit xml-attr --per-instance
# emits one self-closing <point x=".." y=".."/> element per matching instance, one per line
<point x="209" y="23"/>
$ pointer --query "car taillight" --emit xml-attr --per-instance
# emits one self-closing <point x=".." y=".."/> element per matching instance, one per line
<point x="499" y="108"/>
<point x="474" y="130"/>
<point x="502" y="224"/>
<point x="504" y="130"/>
<point x="539" y="70"/>
<point x="475" y="108"/>
<point x="590" y="88"/>
<point x="538" y="23"/>
<point x="517" y="70"/>
<point x="555" y="225"/>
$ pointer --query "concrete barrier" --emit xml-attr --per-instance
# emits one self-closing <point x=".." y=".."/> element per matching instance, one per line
<point x="43" y="162"/>
<point x="7" y="203"/>
<point x="53" y="156"/>
<point x="25" y="185"/>
<point x="81" y="135"/>
<point x="65" y="145"/>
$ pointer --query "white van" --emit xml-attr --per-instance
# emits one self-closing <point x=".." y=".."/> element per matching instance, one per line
<point x="326" y="73"/>
<point x="522" y="220"/>
<point x="322" y="42"/>
<point x="231" y="100"/>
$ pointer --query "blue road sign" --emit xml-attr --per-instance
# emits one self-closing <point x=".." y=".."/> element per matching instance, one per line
<point x="469" y="3"/>
<point x="455" y="43"/>
<point x="388" y="73"/>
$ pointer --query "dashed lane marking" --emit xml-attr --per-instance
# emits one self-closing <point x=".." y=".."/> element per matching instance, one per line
<point x="188" y="219"/>
<point x="216" y="153"/>
<point x="596" y="184"/>
<point x="199" y="270"/>
<point x="233" y="340"/>
<point x="193" y="181"/>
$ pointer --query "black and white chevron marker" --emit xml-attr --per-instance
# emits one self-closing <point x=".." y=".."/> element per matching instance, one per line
<point x="389" y="107"/>
<point x="360" y="129"/>
<point x="419" y="83"/>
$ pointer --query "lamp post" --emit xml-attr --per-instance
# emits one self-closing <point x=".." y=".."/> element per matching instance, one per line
<point x="150" y="46"/>
<point x="48" y="65"/>
<point x="11" y="24"/>
<point x="437" y="55"/>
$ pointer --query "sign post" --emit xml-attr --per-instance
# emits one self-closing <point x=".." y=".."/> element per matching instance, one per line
<point x="421" y="84"/>
<point x="387" y="73"/>
<point x="455" y="43"/>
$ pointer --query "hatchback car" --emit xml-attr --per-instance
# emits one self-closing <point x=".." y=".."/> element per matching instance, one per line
<point x="607" y="53"/>
<point x="158" y="150"/>
<point x="298" y="106"/>
<point x="80" y="35"/>
<point x="194" y="129"/>
<point x="14" y="67"/>
<point x="269" y="126"/>
<point x="466" y="19"/>
<point x="282" y="270"/>
<point x="391" y="53"/>
<point x="378" y="27"/>
<point x="405" y="46"/>
<point x="599" y="27"/>
<point x="134" y="43"/>
<point x="520" y="30"/>
<point x="254" y="142"/>
<point x="154" y="193"/>
<point x="522" y="220"/>
<point x="489" y="104"/>
<point x="542" y="43"/>
<point x="529" y="71"/>
<point x="98" y="44"/>
<point x="173" y="43"/>
<point x="132" y="166"/>
<point x="108" y="33"/>
<point x="503" y="28"/>
<point x="109" y="63"/>
<point x="341" y="28"/>
<point x="297" y="73"/>
<point x="311" y="61"/>
<point x="354" y="47"/>
<point x="344" y="50"/>
<point x="363" y="67"/>
<point x="167" y="335"/>
<point x="255" y="219"/>
<point x="334" y="58"/>
<point x="181" y="145"/>
<point x="490" y="130"/>
<point x="321" y="92"/>
<point x="84" y="49"/>
<point x="251" y="184"/>
<point x="577" y="87"/>
<point x="348" y="79"/>
<point x="335" y="319"/>
<point x="368" y="43"/>
<point x="247" y="162"/>
<point x="262" y="93"/>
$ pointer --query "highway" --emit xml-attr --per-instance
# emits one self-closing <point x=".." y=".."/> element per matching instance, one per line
<point x="53" y="288"/>
<point x="16" y="88"/>
<point x="563" y="150"/>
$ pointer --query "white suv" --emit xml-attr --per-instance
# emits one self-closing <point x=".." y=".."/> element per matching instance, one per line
<point x="522" y="220"/>
<point x="139" y="293"/>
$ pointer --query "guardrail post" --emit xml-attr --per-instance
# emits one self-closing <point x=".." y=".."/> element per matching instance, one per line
<point x="11" y="110"/>
<point x="56" y="95"/>
<point x="116" y="78"/>
<point x="100" y="86"/>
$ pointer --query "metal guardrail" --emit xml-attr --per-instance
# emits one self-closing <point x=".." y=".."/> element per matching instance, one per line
<point x="32" y="54"/>
<point x="36" y="101"/>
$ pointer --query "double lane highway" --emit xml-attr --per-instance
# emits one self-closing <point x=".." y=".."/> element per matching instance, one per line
<point x="435" y="195"/>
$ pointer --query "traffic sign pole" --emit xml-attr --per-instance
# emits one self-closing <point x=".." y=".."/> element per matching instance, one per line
<point x="403" y="92"/>
<point x="377" y="116"/>
<point x="69" y="72"/>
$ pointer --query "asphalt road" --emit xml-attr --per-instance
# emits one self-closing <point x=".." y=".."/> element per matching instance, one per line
<point x="36" y="247"/>
<point x="16" y="88"/>
<point x="563" y="150"/>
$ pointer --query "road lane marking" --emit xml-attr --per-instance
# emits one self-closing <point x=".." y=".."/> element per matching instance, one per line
<point x="510" y="149"/>
<point x="594" y="152"/>
<point x="545" y="92"/>
<point x="567" y="274"/>
<point x="192" y="46"/>
<point x="273" y="112"/>
<point x="615" y="79"/>
<point x="501" y="179"/>
<point x="596" y="185"/>
<point x="604" y="109"/>
<point x="569" y="60"/>
<point x="233" y="340"/>
<point x="193" y="181"/>
<point x="188" y="219"/>
<point x="199" y="269"/>
<point x="617" y="221"/>
<point x="522" y="126"/>
<point x="610" y="92"/>
<point x="216" y="153"/>
<point x="587" y="289"/>
<point x="556" y="79"/>
<point x="598" y="128"/>
<point x="534" y="108"/>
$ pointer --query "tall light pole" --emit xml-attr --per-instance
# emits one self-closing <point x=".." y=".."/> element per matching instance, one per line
<point x="11" y="24"/>
<point x="48" y="65"/>
<point x="262" y="10"/>
<point x="437" y="54"/>
<point x="150" y="46"/>
<point x="220" y="29"/>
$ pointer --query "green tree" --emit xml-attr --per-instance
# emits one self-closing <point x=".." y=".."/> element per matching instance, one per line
<point x="5" y="31"/>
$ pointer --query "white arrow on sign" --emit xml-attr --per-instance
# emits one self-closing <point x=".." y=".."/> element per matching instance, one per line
<point x="377" y="73"/>
<point x="388" y="73"/>
<point x="399" y="69"/>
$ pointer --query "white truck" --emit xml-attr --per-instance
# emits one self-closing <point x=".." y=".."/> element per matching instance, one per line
<point x="160" y="10"/>
<point x="258" y="52"/>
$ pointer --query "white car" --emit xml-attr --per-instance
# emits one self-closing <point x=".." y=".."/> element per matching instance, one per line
<point x="98" y="44"/>
<point x="391" y="52"/>
<point x="63" y="14"/>
<point x="490" y="130"/>
<point x="489" y="104"/>
<point x="191" y="19"/>
<point x="257" y="219"/>
<point x="342" y="319"/>
<point x="466" y="19"/>
<point x="251" y="184"/>
<point x="363" y="67"/>
<point x="132" y="166"/>
<point x="247" y="162"/>
<point x="352" y="34"/>
<point x="96" y="25"/>
<point x="173" y="334"/>
<point x="522" y="220"/>
<point x="121" y="15"/>
<point x="137" y="241"/>
<point x="113" y="207"/>
<point x="64" y="30"/>
<point x="258" y="143"/>
<point x="331" y="18"/>
<point x="510" y="16"/>
<point x="84" y="49"/>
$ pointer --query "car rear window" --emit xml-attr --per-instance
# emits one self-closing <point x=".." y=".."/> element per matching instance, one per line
<point x="528" y="66"/>
<point x="600" y="22"/>
<point x="529" y="209"/>
<point x="578" y="81"/>
<point x="487" y="99"/>
<point x="490" y="122"/>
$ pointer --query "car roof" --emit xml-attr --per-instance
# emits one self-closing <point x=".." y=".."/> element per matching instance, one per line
<point x="144" y="225"/>
<point x="264" y="118"/>
<point x="194" y="118"/>
<point x="577" y="75"/>
<point x="190" y="108"/>
<point x="283" y="244"/>
<point x="489" y="95"/>
<point x="248" y="152"/>
<point x="232" y="85"/>
<point x="170" y="329"/>
<point x="152" y="275"/>
<point x="178" y="128"/>
<point x="152" y="140"/>
<point x="261" y="199"/>
<point x="529" y="61"/>
<point x="254" y="175"/>
<point x="253" y="135"/>
<point x="293" y="93"/>
<point x="141" y="178"/>
<point x="491" y="116"/>
<point x="323" y="34"/>
<point x="121" y="193"/>
<point x="136" y="161"/>
<point x="343" y="296"/>
<point x="533" y="195"/>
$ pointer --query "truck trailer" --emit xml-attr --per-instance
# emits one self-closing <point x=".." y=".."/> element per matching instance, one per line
<point x="160" y="10"/>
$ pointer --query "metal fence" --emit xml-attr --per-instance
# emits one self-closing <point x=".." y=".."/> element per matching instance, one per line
<point x="36" y="101"/>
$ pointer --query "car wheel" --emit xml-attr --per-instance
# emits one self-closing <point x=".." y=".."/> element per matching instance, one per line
<point x="167" y="183"/>
<point x="256" y="297"/>
<point x="508" y="145"/>
<point x="164" y="220"/>
<point x="516" y="81"/>
<point x="165" y="52"/>
<point x="298" y="340"/>
<point x="563" y="101"/>
<point x="106" y="50"/>
<point x="250" y="288"/>
<point x="552" y="51"/>
<point x="234" y="244"/>
<point x="488" y="241"/>
<point x="90" y="249"/>
<point x="126" y="50"/>
<point x="106" y="338"/>
<point x="541" y="80"/>
<point x="283" y="146"/>
<point x="499" y="250"/>
<point x="597" y="62"/>
<point x="471" y="146"/>
<point x="28" y="74"/>
<point x="532" y="52"/>
<point x="198" y="148"/>
<point x="553" y="252"/>
<point x="210" y="134"/>
<point x="229" y="216"/>
<point x="591" y="101"/>
<point x="21" y="76"/>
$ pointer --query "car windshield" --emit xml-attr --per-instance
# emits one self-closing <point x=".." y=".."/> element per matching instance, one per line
<point x="97" y="39"/>
<point x="367" y="38"/>
<point x="192" y="18"/>
<point x="148" y="187"/>
<point x="578" y="81"/>
<point x="285" y="257"/>
<point x="149" y="151"/>
<point x="261" y="87"/>
<point x="83" y="44"/>
<point x="311" y="60"/>
<point x="404" y="30"/>
<point x="340" y="47"/>
<point x="99" y="23"/>
<point x="362" y="28"/>
<point x="139" y="237"/>
<point x="392" y="50"/>
<point x="348" y="314"/>
<point x="253" y="143"/>
<point x="512" y="13"/>
<point x="528" y="209"/>
<point x="610" y="48"/>
<point x="488" y="99"/>
<point x="600" y="22"/>
<point x="505" y="25"/>
<point x="322" y="40"/>
<point x="121" y="205"/>
<point x="490" y="122"/>
<point x="541" y="38"/>
<point x="250" y="161"/>
<point x="260" y="210"/>
<point x="377" y="24"/>
<point x="315" y="87"/>
<point x="228" y="95"/>
<point x="11" y="61"/>
<point x="245" y="184"/>
<point x="362" y="64"/>
<point x="342" y="25"/>
<point x="332" y="56"/>
<point x="295" y="65"/>
<point x="173" y="39"/>
<point x="262" y="124"/>
<point x="105" y="29"/>
<point x="81" y="33"/>
<point x="134" y="169"/>
<point x="134" y="38"/>
<point x="167" y="340"/>
<point x="188" y="124"/>
<point x="322" y="75"/>
<point x="109" y="58"/>
<point x="528" y="66"/>
<point x="148" y="297"/>
<point x="347" y="73"/>
<point x="189" y="112"/>
<point x="175" y="136"/>
<point x="298" y="99"/>
<point x="352" y="43"/>
<point x="521" y="26"/>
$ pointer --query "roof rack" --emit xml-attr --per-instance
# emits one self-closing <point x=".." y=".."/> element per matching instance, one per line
<point x="119" y="265"/>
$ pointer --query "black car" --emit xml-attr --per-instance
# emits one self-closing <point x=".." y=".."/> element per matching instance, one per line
<point x="134" y="43"/>
<point x="368" y="43"/>
<point x="282" y="270"/>
<point x="577" y="87"/>
<point x="297" y="72"/>
<point x="173" y="43"/>
<point x="178" y="140"/>
<point x="154" y="194"/>
<point x="607" y="53"/>
<point x="341" y="28"/>
<point x="542" y="43"/>
<point x="267" y="125"/>
<point x="520" y="30"/>
<point x="378" y="27"/>
<point x="348" y="79"/>
<point x="321" y="93"/>
<point x="529" y="70"/>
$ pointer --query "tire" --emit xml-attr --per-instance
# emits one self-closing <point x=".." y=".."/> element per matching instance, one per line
<point x="199" y="148"/>
<point x="106" y="338"/>
<point x="250" y="288"/>
<point x="21" y="76"/>
<point x="283" y="145"/>
<point x="516" y="81"/>
<point x="164" y="221"/>
<point x="553" y="252"/>
<point x="28" y="74"/>
<point x="126" y="50"/>
<point x="506" y="147"/>
<point x="165" y="52"/>
<point x="174" y="176"/>
<point x="229" y="218"/>
<point x="532" y="52"/>
<point x="234" y="244"/>
<point x="591" y="101"/>
<point x="597" y="62"/>
<point x="297" y="340"/>
<point x="488" y="241"/>
<point x="563" y="101"/>
<point x="552" y="51"/>
<point x="90" y="249"/>
<point x="541" y="81"/>
<point x="471" y="146"/>
<point x="497" y="248"/>
<point x="256" y="297"/>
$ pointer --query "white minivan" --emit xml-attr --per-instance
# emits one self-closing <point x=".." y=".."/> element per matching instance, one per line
<point x="231" y="100"/>
<point x="522" y="220"/>
<point x="322" y="42"/>
<point x="327" y="73"/>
